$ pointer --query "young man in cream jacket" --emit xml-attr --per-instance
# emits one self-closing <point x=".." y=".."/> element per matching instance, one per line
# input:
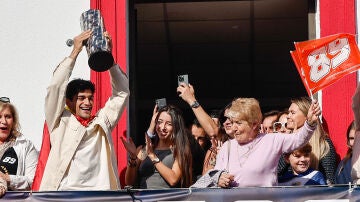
<point x="82" y="154"/>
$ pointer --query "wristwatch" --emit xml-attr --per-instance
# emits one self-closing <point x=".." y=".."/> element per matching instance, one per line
<point x="155" y="160"/>
<point x="195" y="104"/>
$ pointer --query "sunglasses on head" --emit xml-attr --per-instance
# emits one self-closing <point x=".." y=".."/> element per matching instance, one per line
<point x="278" y="125"/>
<point x="5" y="99"/>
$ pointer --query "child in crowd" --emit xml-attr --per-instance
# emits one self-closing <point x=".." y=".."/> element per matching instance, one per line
<point x="301" y="173"/>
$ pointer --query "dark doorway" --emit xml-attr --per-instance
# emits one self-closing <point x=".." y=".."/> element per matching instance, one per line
<point x="228" y="48"/>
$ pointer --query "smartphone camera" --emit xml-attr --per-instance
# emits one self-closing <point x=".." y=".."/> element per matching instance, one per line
<point x="183" y="79"/>
<point x="161" y="103"/>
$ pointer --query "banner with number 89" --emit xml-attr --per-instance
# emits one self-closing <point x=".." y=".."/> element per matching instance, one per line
<point x="323" y="61"/>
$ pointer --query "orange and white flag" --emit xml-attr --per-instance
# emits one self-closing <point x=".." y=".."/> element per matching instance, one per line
<point x="323" y="61"/>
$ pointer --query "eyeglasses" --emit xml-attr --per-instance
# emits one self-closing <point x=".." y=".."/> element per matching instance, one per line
<point x="5" y="99"/>
<point x="278" y="125"/>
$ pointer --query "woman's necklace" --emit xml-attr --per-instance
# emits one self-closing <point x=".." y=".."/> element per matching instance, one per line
<point x="244" y="152"/>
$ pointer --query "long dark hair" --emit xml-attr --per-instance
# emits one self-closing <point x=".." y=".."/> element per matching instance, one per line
<point x="180" y="140"/>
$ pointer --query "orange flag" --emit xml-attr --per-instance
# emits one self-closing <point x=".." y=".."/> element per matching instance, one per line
<point x="323" y="61"/>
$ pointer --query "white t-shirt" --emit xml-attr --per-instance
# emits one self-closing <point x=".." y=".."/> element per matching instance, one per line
<point x="89" y="166"/>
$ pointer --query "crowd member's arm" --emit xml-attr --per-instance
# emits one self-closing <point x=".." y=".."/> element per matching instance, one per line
<point x="151" y="130"/>
<point x="289" y="143"/>
<point x="55" y="98"/>
<point x="187" y="93"/>
<point x="355" y="171"/>
<point x="133" y="161"/>
<point x="136" y="155"/>
<point x="210" y="156"/>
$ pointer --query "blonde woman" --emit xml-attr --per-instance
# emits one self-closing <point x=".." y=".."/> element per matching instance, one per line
<point x="323" y="155"/>
<point x="18" y="156"/>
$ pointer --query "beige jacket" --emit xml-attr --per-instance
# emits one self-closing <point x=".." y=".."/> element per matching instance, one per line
<point x="66" y="133"/>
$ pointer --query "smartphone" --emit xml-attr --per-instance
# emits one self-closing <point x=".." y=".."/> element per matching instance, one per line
<point x="183" y="79"/>
<point x="160" y="103"/>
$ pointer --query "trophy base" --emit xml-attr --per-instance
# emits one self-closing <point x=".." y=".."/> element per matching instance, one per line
<point x="101" y="61"/>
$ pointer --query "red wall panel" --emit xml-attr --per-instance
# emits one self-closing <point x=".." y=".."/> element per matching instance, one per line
<point x="114" y="15"/>
<point x="338" y="16"/>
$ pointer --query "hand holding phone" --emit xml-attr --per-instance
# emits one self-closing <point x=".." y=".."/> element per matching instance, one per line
<point x="161" y="103"/>
<point x="183" y="79"/>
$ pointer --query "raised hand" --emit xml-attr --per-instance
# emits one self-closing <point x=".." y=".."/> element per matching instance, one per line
<point x="149" y="145"/>
<point x="313" y="113"/>
<point x="186" y="92"/>
<point x="78" y="43"/>
<point x="109" y="40"/>
<point x="130" y="147"/>
<point x="152" y="125"/>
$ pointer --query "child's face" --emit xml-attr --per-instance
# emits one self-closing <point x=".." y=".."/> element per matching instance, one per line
<point x="299" y="162"/>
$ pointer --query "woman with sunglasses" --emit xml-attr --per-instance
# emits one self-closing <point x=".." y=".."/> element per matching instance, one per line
<point x="224" y="133"/>
<point x="323" y="150"/>
<point x="280" y="126"/>
<point x="166" y="160"/>
<point x="18" y="156"/>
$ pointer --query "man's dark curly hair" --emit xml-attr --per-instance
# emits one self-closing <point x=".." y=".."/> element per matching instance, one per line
<point x="78" y="85"/>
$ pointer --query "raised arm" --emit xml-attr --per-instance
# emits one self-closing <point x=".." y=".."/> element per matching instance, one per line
<point x="303" y="135"/>
<point x="116" y="104"/>
<point x="55" y="98"/>
<point x="187" y="93"/>
<point x="78" y="43"/>
<point x="134" y="160"/>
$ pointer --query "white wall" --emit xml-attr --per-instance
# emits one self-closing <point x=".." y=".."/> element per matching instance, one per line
<point x="33" y="35"/>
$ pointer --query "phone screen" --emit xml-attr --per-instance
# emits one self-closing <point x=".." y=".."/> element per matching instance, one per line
<point x="161" y="103"/>
<point x="183" y="79"/>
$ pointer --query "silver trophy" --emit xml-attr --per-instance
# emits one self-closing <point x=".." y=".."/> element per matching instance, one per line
<point x="97" y="46"/>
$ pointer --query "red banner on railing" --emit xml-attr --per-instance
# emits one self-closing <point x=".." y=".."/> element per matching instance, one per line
<point x="323" y="61"/>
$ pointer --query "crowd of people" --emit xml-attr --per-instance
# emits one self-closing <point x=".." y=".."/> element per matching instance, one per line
<point x="237" y="146"/>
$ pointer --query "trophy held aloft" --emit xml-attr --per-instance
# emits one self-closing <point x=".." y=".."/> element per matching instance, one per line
<point x="97" y="46"/>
